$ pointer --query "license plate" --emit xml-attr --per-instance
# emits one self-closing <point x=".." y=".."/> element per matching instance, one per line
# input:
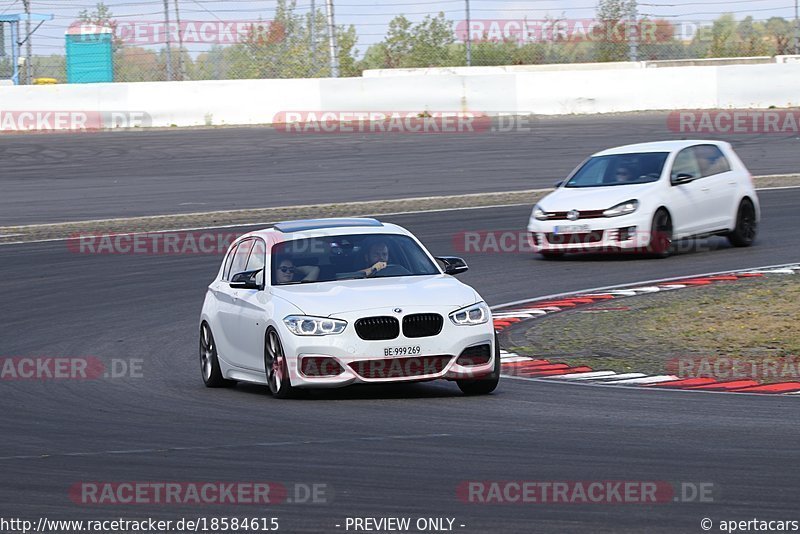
<point x="571" y="229"/>
<point x="413" y="350"/>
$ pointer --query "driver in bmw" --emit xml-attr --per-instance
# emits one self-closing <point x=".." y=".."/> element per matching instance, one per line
<point x="377" y="257"/>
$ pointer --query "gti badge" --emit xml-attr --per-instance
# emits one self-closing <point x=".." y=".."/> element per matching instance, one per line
<point x="573" y="215"/>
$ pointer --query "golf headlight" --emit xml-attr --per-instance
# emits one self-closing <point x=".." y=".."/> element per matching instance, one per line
<point x="539" y="214"/>
<point x="303" y="325"/>
<point x="471" y="315"/>
<point x="623" y="208"/>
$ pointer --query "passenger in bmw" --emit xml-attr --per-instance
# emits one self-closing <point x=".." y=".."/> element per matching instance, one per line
<point x="285" y="272"/>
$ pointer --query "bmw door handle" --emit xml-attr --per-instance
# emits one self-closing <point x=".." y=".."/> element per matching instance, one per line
<point x="705" y="189"/>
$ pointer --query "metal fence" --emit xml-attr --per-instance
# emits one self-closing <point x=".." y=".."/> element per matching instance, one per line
<point x="158" y="40"/>
<point x="6" y="44"/>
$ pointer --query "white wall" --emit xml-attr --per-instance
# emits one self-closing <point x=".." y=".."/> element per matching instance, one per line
<point x="172" y="103"/>
<point x="557" y="93"/>
<point x="547" y="92"/>
<point x="759" y="86"/>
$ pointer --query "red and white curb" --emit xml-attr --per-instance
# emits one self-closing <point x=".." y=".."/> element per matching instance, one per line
<point x="516" y="366"/>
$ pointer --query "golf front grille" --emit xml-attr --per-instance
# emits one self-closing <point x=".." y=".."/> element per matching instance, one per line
<point x="574" y="239"/>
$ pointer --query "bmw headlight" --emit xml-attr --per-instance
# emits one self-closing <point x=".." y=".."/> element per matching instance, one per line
<point x="303" y="325"/>
<point x="539" y="214"/>
<point x="623" y="208"/>
<point x="471" y="315"/>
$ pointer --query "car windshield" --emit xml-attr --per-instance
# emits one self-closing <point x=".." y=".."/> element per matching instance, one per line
<point x="326" y="259"/>
<point x="619" y="169"/>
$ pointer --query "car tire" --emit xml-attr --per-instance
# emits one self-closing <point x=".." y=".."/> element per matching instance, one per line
<point x="552" y="255"/>
<point x="209" y="362"/>
<point x="276" y="367"/>
<point x="660" y="244"/>
<point x="485" y="384"/>
<point x="745" y="230"/>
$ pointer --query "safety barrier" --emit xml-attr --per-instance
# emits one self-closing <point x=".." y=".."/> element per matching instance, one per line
<point x="543" y="91"/>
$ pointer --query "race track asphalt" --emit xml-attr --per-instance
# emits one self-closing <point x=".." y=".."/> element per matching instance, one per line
<point x="400" y="450"/>
<point x="68" y="177"/>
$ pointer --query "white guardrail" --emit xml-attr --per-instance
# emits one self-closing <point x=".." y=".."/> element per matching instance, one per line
<point x="545" y="91"/>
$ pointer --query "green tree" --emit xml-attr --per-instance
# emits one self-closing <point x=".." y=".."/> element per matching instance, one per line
<point x="209" y="65"/>
<point x="511" y="52"/>
<point x="399" y="42"/>
<point x="431" y="40"/>
<point x="101" y="16"/>
<point x="613" y="14"/>
<point x="347" y="39"/>
<point x="659" y="42"/>
<point x="780" y="34"/>
<point x="700" y="46"/>
<point x="724" y="38"/>
<point x="283" y="48"/>
<point x="752" y="38"/>
<point x="52" y="66"/>
<point x="6" y="70"/>
<point x="137" y="64"/>
<point x="429" y="43"/>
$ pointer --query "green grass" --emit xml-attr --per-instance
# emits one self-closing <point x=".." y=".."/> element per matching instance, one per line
<point x="753" y="319"/>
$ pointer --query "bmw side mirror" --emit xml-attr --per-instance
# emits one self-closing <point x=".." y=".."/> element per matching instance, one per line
<point x="453" y="265"/>
<point x="245" y="280"/>
<point x="558" y="184"/>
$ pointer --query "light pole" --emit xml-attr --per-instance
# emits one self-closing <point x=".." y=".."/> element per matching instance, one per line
<point x="332" y="39"/>
<point x="312" y="35"/>
<point x="796" y="30"/>
<point x="166" y="33"/>
<point x="469" y="37"/>
<point x="28" y="44"/>
<point x="633" y="31"/>
<point x="180" y="40"/>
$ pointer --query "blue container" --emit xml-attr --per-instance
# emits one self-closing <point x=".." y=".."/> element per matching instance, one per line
<point x="90" y="54"/>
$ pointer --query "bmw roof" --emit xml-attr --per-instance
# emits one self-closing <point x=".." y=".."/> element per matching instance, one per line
<point x="303" y="225"/>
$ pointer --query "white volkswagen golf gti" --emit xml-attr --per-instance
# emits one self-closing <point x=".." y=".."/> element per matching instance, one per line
<point x="642" y="197"/>
<point x="333" y="302"/>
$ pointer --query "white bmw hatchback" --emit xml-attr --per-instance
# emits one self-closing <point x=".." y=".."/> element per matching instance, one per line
<point x="642" y="197"/>
<point x="333" y="302"/>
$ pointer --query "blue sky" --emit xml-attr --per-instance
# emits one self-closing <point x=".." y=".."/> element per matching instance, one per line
<point x="371" y="17"/>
